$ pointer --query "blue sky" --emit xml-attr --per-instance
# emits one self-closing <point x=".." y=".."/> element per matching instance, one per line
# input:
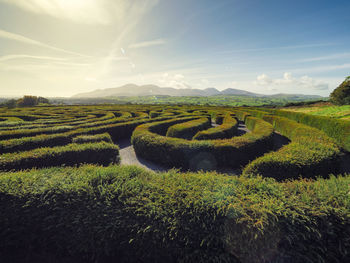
<point x="63" y="47"/>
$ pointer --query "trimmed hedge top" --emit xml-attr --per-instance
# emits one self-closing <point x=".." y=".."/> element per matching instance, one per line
<point x="93" y="214"/>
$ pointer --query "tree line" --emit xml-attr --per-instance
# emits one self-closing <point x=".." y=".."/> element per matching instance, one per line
<point x="26" y="101"/>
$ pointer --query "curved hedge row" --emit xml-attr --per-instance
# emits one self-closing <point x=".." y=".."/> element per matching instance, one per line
<point x="187" y="130"/>
<point x="195" y="155"/>
<point x="117" y="131"/>
<point x="226" y="130"/>
<point x="71" y="154"/>
<point x="335" y="128"/>
<point x="104" y="137"/>
<point x="126" y="214"/>
<point x="6" y="135"/>
<point x="311" y="153"/>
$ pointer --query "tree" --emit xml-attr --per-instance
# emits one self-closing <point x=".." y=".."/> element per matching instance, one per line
<point x="10" y="104"/>
<point x="341" y="95"/>
<point x="43" y="100"/>
<point x="27" y="101"/>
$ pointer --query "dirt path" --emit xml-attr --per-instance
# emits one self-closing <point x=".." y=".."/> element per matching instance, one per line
<point x="241" y="129"/>
<point x="128" y="157"/>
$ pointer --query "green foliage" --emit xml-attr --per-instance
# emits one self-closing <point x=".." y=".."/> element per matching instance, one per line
<point x="30" y="101"/>
<point x="334" y="128"/>
<point x="187" y="130"/>
<point x="226" y="130"/>
<point x="104" y="137"/>
<point x="108" y="214"/>
<point x="97" y="214"/>
<point x="341" y="95"/>
<point x="10" y="104"/>
<point x="311" y="153"/>
<point x="71" y="154"/>
<point x="149" y="143"/>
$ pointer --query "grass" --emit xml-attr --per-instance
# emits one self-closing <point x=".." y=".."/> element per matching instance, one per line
<point x="340" y="112"/>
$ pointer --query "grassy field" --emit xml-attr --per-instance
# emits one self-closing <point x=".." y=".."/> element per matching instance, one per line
<point x="217" y="100"/>
<point x="65" y="197"/>
<point x="340" y="112"/>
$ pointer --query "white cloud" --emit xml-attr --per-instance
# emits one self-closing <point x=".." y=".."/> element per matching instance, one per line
<point x="26" y="40"/>
<point x="263" y="80"/>
<point x="179" y="77"/>
<point x="288" y="82"/>
<point x="155" y="42"/>
<point x="176" y="81"/>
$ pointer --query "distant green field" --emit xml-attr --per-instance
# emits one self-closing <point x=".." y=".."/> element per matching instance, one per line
<point x="341" y="112"/>
<point x="219" y="100"/>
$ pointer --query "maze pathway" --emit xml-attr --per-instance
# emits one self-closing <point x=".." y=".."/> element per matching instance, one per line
<point x="128" y="157"/>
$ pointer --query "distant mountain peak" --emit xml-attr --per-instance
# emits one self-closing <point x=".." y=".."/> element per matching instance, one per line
<point x="153" y="90"/>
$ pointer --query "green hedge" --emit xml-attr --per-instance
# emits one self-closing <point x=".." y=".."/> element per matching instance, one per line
<point x="117" y="131"/>
<point x="241" y="115"/>
<point x="311" y="153"/>
<point x="226" y="130"/>
<point x="71" y="154"/>
<point x="187" y="130"/>
<point x="104" y="137"/>
<point x="29" y="143"/>
<point x="126" y="214"/>
<point x="335" y="128"/>
<point x="149" y="143"/>
<point x="6" y="135"/>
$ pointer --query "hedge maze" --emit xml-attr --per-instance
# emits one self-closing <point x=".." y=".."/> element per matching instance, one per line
<point x="64" y="192"/>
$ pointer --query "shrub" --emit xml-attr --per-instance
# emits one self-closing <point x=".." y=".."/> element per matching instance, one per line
<point x="150" y="144"/>
<point x="29" y="143"/>
<point x="226" y="130"/>
<point x="5" y="135"/>
<point x="126" y="214"/>
<point x="311" y="153"/>
<point x="104" y="137"/>
<point x="27" y="101"/>
<point x="341" y="95"/>
<point x="187" y="130"/>
<point x="241" y="115"/>
<point x="334" y="128"/>
<point x="71" y="154"/>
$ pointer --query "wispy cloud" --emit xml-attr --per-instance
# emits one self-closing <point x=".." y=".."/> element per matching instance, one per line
<point x="84" y="11"/>
<point x="277" y="48"/>
<point x="155" y="42"/>
<point x="26" y="40"/>
<point x="23" y="56"/>
<point x="99" y="12"/>
<point x="319" y="69"/>
<point x="329" y="57"/>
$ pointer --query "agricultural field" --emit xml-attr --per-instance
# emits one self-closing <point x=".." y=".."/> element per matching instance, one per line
<point x="206" y="184"/>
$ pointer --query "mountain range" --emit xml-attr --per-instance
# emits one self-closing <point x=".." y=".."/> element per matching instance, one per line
<point x="131" y="90"/>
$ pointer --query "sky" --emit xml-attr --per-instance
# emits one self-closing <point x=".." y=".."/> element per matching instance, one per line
<point x="58" y="48"/>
